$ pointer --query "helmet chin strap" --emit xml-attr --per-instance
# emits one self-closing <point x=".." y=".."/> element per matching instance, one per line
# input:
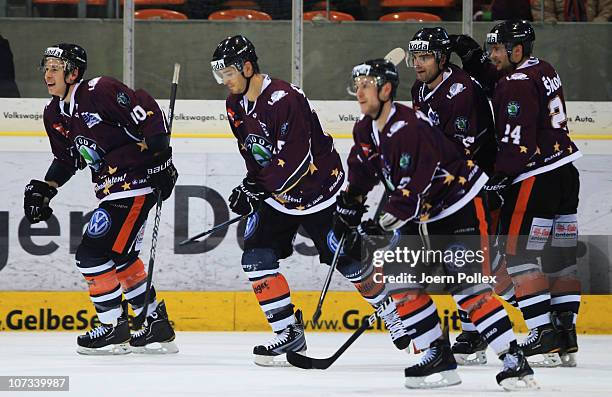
<point x="380" y="108"/>
<point x="248" y="84"/>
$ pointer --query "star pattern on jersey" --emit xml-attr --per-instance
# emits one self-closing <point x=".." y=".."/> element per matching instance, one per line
<point x="335" y="172"/>
<point x="523" y="149"/>
<point x="462" y="180"/>
<point x="312" y="168"/>
<point x="424" y="217"/>
<point x="448" y="179"/>
<point x="556" y="146"/>
<point x="281" y="162"/>
<point x="279" y="198"/>
<point x="538" y="150"/>
<point x="467" y="152"/>
<point x="570" y="149"/>
<point x="126" y="186"/>
<point x="142" y="145"/>
<point x="426" y="206"/>
<point x="405" y="193"/>
<point x="150" y="113"/>
<point x="470" y="164"/>
<point x="300" y="208"/>
<point x="111" y="170"/>
<point x="107" y="187"/>
<point x="242" y="147"/>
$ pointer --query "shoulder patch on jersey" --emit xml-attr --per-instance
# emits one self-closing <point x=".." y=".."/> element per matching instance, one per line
<point x="518" y="76"/>
<point x="123" y="99"/>
<point x="405" y="160"/>
<point x="455" y="89"/>
<point x="461" y="124"/>
<point x="277" y="96"/>
<point x="92" y="83"/>
<point x="513" y="108"/>
<point x="396" y="127"/>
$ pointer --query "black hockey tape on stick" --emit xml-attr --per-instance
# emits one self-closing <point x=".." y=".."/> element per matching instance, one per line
<point x="305" y="362"/>
<point x="330" y="272"/>
<point x="140" y="319"/>
<point x="225" y="224"/>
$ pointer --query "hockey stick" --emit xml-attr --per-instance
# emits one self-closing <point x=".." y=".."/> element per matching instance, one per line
<point x="330" y="272"/>
<point x="225" y="224"/>
<point x="396" y="56"/>
<point x="140" y="319"/>
<point x="304" y="362"/>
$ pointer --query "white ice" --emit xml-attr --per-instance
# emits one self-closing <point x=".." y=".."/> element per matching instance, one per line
<point x="220" y="364"/>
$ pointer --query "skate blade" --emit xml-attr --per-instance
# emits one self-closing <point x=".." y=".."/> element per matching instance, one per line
<point x="569" y="360"/>
<point x="271" y="361"/>
<point x="156" y="348"/>
<point x="547" y="360"/>
<point x="527" y="382"/>
<point x="110" y="350"/>
<point x="440" y="379"/>
<point x="477" y="358"/>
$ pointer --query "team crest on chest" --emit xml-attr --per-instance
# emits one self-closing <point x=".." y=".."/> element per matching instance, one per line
<point x="261" y="149"/>
<point x="89" y="150"/>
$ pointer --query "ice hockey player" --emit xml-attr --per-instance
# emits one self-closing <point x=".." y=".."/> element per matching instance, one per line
<point x="534" y="173"/>
<point x="121" y="135"/>
<point x="293" y="176"/>
<point x="429" y="181"/>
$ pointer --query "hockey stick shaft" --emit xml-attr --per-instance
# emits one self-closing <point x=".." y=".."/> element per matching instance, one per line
<point x="330" y="272"/>
<point x="220" y="226"/>
<point x="140" y="319"/>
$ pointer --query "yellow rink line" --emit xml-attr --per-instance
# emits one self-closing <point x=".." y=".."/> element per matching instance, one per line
<point x="585" y="137"/>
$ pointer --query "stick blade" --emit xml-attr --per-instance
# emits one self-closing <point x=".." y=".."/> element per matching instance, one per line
<point x="396" y="56"/>
<point x="316" y="315"/>
<point x="304" y="362"/>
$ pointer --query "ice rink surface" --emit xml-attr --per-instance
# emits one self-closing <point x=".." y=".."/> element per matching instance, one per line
<point x="220" y="364"/>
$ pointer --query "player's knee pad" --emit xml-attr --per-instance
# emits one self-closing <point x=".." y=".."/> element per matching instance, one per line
<point x="99" y="271"/>
<point x="259" y="262"/>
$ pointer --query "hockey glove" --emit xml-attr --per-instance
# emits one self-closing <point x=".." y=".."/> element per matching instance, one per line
<point x="472" y="55"/>
<point x="366" y="238"/>
<point x="246" y="197"/>
<point x="36" y="201"/>
<point x="498" y="183"/>
<point x="162" y="174"/>
<point x="348" y="213"/>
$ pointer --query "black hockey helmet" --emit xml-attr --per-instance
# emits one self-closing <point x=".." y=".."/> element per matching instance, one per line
<point x="513" y="32"/>
<point x="234" y="51"/>
<point x="73" y="55"/>
<point x="434" y="40"/>
<point x="382" y="70"/>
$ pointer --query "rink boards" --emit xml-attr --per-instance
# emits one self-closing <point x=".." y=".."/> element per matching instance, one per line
<point x="239" y="311"/>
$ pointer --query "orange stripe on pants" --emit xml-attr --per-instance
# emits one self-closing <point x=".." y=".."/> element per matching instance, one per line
<point x="483" y="228"/>
<point x="132" y="275"/>
<point x="128" y="225"/>
<point x="271" y="287"/>
<point x="103" y="283"/>
<point x="518" y="214"/>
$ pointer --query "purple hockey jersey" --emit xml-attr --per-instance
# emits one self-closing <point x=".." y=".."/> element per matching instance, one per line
<point x="460" y="108"/>
<point x="425" y="174"/>
<point x="104" y="127"/>
<point x="285" y="148"/>
<point x="531" y="122"/>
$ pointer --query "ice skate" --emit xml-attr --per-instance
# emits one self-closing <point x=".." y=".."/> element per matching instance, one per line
<point x="517" y="374"/>
<point x="292" y="338"/>
<point x="437" y="368"/>
<point x="568" y="340"/>
<point x="157" y="335"/>
<point x="393" y="322"/>
<point x="470" y="349"/>
<point x="542" y="346"/>
<point x="106" y="339"/>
